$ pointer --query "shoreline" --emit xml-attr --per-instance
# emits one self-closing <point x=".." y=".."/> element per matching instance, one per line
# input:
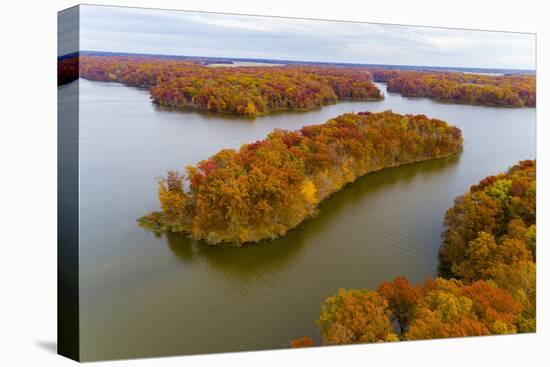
<point x="158" y="225"/>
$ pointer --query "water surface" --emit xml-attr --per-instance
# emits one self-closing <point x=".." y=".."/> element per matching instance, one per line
<point x="143" y="296"/>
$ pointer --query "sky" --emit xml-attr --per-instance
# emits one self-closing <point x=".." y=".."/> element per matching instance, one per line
<point x="153" y="31"/>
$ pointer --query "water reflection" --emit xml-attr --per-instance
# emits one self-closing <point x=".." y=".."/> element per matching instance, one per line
<point x="272" y="255"/>
<point x="360" y="106"/>
<point x="242" y="262"/>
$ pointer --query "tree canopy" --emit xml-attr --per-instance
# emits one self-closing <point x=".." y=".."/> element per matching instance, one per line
<point x="243" y="91"/>
<point x="515" y="90"/>
<point x="257" y="90"/>
<point x="270" y="186"/>
<point x="398" y="310"/>
<point x="488" y="262"/>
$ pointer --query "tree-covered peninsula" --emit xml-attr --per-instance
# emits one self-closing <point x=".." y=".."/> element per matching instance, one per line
<point x="268" y="187"/>
<point x="488" y="280"/>
<point x="514" y="90"/>
<point x="242" y="91"/>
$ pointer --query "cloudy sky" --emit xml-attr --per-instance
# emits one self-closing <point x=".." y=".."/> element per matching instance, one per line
<point x="206" y="34"/>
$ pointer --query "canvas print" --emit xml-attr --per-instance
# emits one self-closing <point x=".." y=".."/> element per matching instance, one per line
<point x="234" y="183"/>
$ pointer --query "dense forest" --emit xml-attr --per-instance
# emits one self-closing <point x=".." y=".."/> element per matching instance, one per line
<point x="259" y="90"/>
<point x="503" y="90"/>
<point x="268" y="187"/>
<point x="244" y="91"/>
<point x="488" y="275"/>
<point x="491" y="235"/>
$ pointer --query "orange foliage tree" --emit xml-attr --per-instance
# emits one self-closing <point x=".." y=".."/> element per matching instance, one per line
<point x="355" y="316"/>
<point x="402" y="298"/>
<point x="302" y="342"/>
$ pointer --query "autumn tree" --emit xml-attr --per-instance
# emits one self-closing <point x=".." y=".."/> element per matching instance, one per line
<point x="302" y="342"/>
<point x="402" y="298"/>
<point x="355" y="316"/>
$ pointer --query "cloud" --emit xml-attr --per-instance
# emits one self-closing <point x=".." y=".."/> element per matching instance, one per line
<point x="240" y="36"/>
<point x="447" y="42"/>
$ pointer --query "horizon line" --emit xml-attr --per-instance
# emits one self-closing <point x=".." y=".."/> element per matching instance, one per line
<point x="296" y="61"/>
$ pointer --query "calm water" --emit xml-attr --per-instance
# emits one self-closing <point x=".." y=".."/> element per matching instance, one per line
<point x="145" y="296"/>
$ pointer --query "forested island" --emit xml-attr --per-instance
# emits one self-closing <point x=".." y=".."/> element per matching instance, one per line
<point x="244" y="91"/>
<point x="496" y="90"/>
<point x="487" y="285"/>
<point x="268" y="187"/>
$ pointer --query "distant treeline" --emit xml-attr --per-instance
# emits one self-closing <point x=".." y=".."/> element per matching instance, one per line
<point x="256" y="90"/>
<point x="245" y="91"/>
<point x="225" y="60"/>
<point x="268" y="187"/>
<point x="488" y="283"/>
<point x="496" y="90"/>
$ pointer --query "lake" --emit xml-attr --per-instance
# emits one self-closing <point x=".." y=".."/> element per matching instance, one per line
<point x="142" y="296"/>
